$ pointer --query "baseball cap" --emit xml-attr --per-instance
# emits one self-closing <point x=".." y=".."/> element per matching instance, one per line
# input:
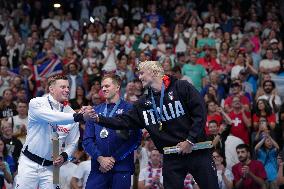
<point x="273" y="41"/>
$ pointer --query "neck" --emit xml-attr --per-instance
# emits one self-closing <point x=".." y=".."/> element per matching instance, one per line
<point x="56" y="99"/>
<point x="22" y="116"/>
<point x="7" y="136"/>
<point x="219" y="166"/>
<point x="247" y="161"/>
<point x="157" y="84"/>
<point x="114" y="99"/>
<point x="155" y="165"/>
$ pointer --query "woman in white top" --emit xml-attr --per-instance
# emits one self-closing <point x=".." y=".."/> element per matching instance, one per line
<point x="225" y="176"/>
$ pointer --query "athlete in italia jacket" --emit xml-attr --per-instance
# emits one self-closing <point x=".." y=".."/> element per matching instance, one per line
<point x="183" y="115"/>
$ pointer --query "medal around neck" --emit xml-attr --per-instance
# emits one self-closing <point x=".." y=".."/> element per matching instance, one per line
<point x="104" y="133"/>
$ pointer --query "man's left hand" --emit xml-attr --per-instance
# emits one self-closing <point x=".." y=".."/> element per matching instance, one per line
<point x="185" y="147"/>
<point x="58" y="161"/>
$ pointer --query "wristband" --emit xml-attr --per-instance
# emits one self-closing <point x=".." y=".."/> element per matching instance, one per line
<point x="189" y="142"/>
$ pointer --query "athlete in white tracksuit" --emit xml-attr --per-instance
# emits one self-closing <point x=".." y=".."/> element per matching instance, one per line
<point x="45" y="113"/>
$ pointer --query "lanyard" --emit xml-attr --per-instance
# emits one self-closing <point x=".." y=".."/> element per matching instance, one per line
<point x="113" y="110"/>
<point x="159" y="116"/>
<point x="54" y="128"/>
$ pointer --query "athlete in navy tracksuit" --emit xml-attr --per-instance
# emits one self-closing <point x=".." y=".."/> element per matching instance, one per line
<point x="111" y="151"/>
<point x="173" y="113"/>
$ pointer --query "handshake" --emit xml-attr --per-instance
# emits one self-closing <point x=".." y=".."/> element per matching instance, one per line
<point x="86" y="113"/>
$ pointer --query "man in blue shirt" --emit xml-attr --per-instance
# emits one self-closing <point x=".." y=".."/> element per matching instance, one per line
<point x="111" y="151"/>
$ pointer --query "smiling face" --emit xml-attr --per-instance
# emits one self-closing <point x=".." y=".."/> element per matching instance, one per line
<point x="109" y="88"/>
<point x="145" y="77"/>
<point x="60" y="90"/>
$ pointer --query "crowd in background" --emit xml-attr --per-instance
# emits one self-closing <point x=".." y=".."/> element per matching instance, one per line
<point x="231" y="51"/>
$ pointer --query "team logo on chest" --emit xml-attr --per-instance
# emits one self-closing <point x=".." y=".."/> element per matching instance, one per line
<point x="148" y="103"/>
<point x="171" y="95"/>
<point x="170" y="111"/>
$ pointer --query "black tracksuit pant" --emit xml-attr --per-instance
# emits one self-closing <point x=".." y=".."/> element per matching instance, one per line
<point x="198" y="163"/>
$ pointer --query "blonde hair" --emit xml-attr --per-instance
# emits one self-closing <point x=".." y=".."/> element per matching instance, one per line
<point x="153" y="66"/>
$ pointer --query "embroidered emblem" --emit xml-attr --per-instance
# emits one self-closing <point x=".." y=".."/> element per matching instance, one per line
<point x="148" y="103"/>
<point x="171" y="95"/>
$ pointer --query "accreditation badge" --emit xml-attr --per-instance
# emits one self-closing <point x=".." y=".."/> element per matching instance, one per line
<point x="104" y="133"/>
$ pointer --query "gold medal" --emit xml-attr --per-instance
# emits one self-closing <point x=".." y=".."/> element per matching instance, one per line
<point x="161" y="126"/>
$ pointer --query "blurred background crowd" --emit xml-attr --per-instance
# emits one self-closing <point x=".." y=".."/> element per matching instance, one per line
<point x="231" y="51"/>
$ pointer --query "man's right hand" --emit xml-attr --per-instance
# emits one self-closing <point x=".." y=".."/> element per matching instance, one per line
<point x="88" y="112"/>
<point x="106" y="163"/>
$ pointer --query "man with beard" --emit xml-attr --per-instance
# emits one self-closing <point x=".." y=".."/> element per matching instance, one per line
<point x="271" y="95"/>
<point x="248" y="173"/>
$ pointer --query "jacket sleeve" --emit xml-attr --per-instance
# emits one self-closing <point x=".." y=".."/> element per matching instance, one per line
<point x="196" y="107"/>
<point x="129" y="146"/>
<point x="38" y="111"/>
<point x="72" y="140"/>
<point x="127" y="120"/>
<point x="89" y="140"/>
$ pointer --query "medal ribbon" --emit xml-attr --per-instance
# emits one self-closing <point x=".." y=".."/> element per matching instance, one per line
<point x="113" y="110"/>
<point x="53" y="128"/>
<point x="159" y="116"/>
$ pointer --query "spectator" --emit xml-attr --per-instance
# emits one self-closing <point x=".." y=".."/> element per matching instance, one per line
<point x="19" y="122"/>
<point x="248" y="173"/>
<point x="7" y="165"/>
<point x="189" y="182"/>
<point x="241" y="121"/>
<point x="5" y="79"/>
<point x="195" y="72"/>
<point x="212" y="114"/>
<point x="79" y="100"/>
<point x="68" y="26"/>
<point x="280" y="177"/>
<point x="12" y="145"/>
<point x="110" y="57"/>
<point x="236" y="92"/>
<point x="7" y="106"/>
<point x="81" y="174"/>
<point x="74" y="79"/>
<point x="271" y="95"/>
<point x="225" y="176"/>
<point x="49" y="24"/>
<point x="269" y="65"/>
<point x="145" y="150"/>
<point x="151" y="176"/>
<point x="214" y="82"/>
<point x="263" y="109"/>
<point x="266" y="152"/>
<point x="208" y="61"/>
<point x="176" y="73"/>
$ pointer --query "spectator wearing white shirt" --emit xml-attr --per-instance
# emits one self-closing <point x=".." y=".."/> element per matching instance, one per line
<point x="81" y="174"/>
<point x="269" y="65"/>
<point x="49" y="24"/>
<point x="20" y="121"/>
<point x="110" y="57"/>
<point x="68" y="27"/>
<point x="151" y="176"/>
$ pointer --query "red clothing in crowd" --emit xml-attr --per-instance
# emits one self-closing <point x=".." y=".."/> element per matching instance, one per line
<point x="270" y="119"/>
<point x="256" y="167"/>
<point x="239" y="129"/>
<point x="244" y="100"/>
<point x="217" y="117"/>
<point x="209" y="64"/>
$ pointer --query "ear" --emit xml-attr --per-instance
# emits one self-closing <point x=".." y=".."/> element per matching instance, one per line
<point x="50" y="88"/>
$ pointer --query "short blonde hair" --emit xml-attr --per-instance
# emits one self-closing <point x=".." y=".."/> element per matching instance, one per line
<point x="154" y="66"/>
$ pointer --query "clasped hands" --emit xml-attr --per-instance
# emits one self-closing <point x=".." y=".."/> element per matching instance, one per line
<point x="106" y="163"/>
<point x="88" y="112"/>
